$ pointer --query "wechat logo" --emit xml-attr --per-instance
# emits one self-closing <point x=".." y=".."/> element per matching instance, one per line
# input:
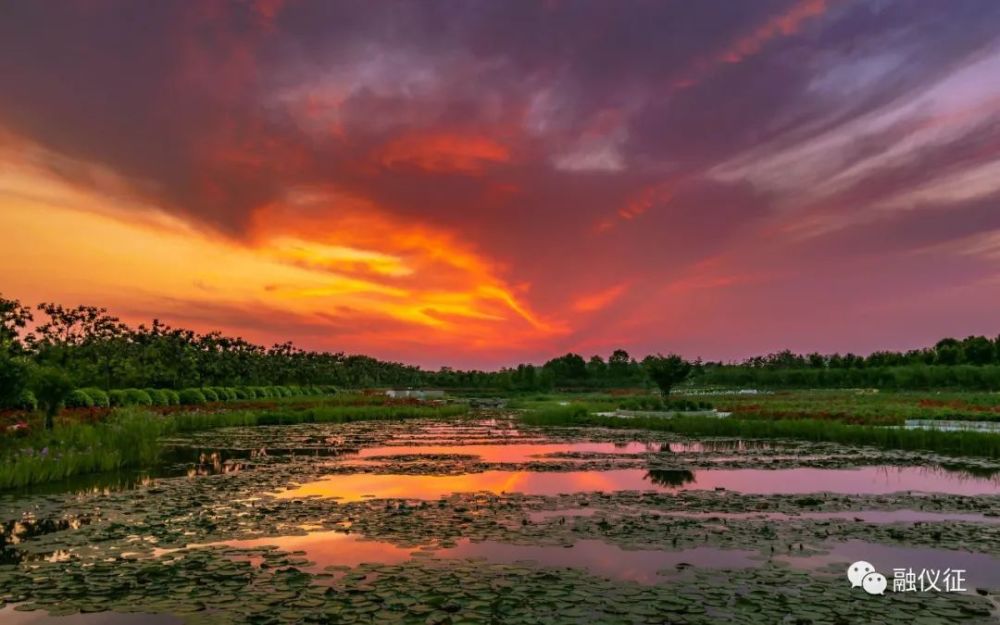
<point x="863" y="574"/>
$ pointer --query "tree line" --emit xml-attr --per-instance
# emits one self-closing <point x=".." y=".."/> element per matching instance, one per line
<point x="51" y="348"/>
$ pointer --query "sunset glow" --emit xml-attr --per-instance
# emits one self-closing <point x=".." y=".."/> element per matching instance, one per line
<point x="536" y="179"/>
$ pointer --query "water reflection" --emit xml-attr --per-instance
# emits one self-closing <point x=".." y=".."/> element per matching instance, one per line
<point x="13" y="533"/>
<point x="533" y="451"/>
<point x="213" y="464"/>
<point x="671" y="478"/>
<point x="864" y="480"/>
<point x="981" y="570"/>
<point x="9" y="616"/>
<point x="335" y="549"/>
<point x="509" y="453"/>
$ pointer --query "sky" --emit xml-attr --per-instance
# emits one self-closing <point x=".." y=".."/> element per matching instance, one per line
<point x="477" y="184"/>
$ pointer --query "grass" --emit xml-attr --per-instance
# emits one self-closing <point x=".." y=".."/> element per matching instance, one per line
<point x="194" y="420"/>
<point x="861" y="407"/>
<point x="129" y="438"/>
<point x="947" y="443"/>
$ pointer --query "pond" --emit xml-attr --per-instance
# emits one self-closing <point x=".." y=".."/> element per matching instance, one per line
<point x="484" y="520"/>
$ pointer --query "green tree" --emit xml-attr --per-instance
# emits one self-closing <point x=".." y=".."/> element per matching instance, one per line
<point x="15" y="375"/>
<point x="978" y="350"/>
<point x="666" y="371"/>
<point x="13" y="318"/>
<point x="51" y="386"/>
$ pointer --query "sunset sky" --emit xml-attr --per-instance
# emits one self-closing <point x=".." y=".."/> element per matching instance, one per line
<point x="486" y="183"/>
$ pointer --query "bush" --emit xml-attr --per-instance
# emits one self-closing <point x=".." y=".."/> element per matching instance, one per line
<point x="137" y="397"/>
<point x="210" y="395"/>
<point x="173" y="398"/>
<point x="117" y="398"/>
<point x="158" y="397"/>
<point x="223" y="393"/>
<point x="282" y="391"/>
<point x="191" y="397"/>
<point x="79" y="399"/>
<point x="98" y="397"/>
<point x="26" y="401"/>
<point x="263" y="392"/>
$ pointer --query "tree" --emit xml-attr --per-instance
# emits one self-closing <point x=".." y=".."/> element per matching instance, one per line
<point x="978" y="350"/>
<point x="13" y="318"/>
<point x="51" y="386"/>
<point x="666" y="371"/>
<point x="15" y="374"/>
<point x="597" y="370"/>
<point x="949" y="351"/>
<point x="568" y="370"/>
<point x="618" y="366"/>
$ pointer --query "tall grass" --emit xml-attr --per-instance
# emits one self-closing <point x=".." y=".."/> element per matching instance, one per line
<point x="193" y="421"/>
<point x="948" y="443"/>
<point x="130" y="437"/>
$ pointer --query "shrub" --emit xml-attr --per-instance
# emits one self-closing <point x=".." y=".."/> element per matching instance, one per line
<point x="263" y="392"/>
<point x="191" y="397"/>
<point x="223" y="393"/>
<point x="98" y="397"/>
<point x="173" y="398"/>
<point x="282" y="391"/>
<point x="51" y="386"/>
<point x="241" y="393"/>
<point x="117" y="398"/>
<point x="233" y="395"/>
<point x="137" y="397"/>
<point x="79" y="399"/>
<point x="26" y="401"/>
<point x="158" y="397"/>
<point x="210" y="395"/>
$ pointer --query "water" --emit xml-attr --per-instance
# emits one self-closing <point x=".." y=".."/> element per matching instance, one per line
<point x="325" y="549"/>
<point x="542" y="451"/>
<point x="981" y="570"/>
<point x="203" y="501"/>
<point x="9" y="616"/>
<point x="864" y="480"/>
<point x="860" y="516"/>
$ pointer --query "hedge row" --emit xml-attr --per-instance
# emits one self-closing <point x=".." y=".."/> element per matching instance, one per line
<point x="96" y="398"/>
<point x="658" y="403"/>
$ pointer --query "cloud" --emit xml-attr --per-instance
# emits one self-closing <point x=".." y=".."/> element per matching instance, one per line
<point x="601" y="299"/>
<point x="480" y="181"/>
<point x="444" y="153"/>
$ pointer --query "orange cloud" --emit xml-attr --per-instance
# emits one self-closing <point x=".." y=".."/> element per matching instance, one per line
<point x="638" y="204"/>
<point x="788" y="23"/>
<point x="444" y="152"/>
<point x="600" y="300"/>
<point x="783" y="25"/>
<point x="320" y="258"/>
